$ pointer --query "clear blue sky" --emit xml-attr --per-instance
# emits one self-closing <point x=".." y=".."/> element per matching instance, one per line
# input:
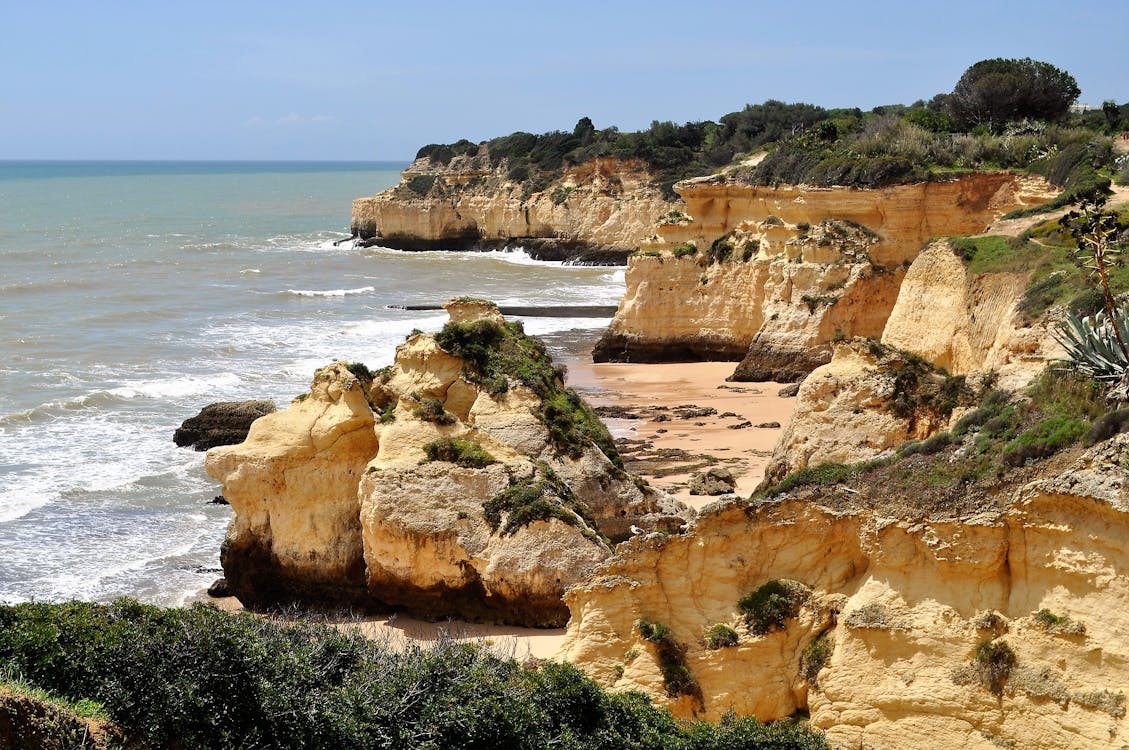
<point x="376" y="80"/>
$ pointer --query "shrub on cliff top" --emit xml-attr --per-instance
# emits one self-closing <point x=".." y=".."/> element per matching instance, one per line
<point x="201" y="678"/>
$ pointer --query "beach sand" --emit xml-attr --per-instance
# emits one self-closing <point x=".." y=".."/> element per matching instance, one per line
<point x="671" y="435"/>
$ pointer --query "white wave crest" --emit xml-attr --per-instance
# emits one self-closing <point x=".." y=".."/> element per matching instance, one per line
<point x="329" y="292"/>
<point x="175" y="387"/>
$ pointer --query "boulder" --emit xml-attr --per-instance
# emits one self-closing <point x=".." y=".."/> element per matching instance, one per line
<point x="221" y="423"/>
<point x="713" y="481"/>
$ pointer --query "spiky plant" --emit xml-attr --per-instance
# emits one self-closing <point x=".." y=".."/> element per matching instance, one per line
<point x="1095" y="233"/>
<point x="1093" y="347"/>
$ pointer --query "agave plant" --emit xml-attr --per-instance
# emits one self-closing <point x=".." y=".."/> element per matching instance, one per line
<point x="1092" y="345"/>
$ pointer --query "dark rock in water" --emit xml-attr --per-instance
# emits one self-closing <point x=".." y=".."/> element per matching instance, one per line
<point x="769" y="425"/>
<point x="789" y="391"/>
<point x="223" y="423"/>
<point x="218" y="500"/>
<point x="713" y="481"/>
<point x="219" y="589"/>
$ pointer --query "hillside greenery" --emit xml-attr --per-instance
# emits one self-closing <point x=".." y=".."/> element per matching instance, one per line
<point x="977" y="126"/>
<point x="203" y="678"/>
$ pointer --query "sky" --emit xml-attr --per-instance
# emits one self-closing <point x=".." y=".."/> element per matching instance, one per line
<point x="359" y="81"/>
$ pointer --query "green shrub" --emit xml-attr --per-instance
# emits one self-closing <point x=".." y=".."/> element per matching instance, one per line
<point x="421" y="184"/>
<point x="1046" y="438"/>
<point x="360" y="371"/>
<point x="720" y="636"/>
<point x="814" y="658"/>
<point x="388" y="413"/>
<point x="749" y="248"/>
<point x="537" y="498"/>
<point x="560" y="194"/>
<point x="1107" y="426"/>
<point x="199" y="678"/>
<point x="771" y="605"/>
<point x="431" y="410"/>
<point x="994" y="662"/>
<point x="686" y="248"/>
<point x="677" y="677"/>
<point x="465" y="453"/>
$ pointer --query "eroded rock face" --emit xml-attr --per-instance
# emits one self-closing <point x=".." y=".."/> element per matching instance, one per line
<point x="810" y="266"/>
<point x="293" y="487"/>
<point x="965" y="323"/>
<point x="598" y="212"/>
<point x="903" y="608"/>
<point x="338" y="500"/>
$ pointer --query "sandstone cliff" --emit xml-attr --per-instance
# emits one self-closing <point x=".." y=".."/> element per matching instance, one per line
<point x="963" y="322"/>
<point x="443" y="485"/>
<point x="813" y="264"/>
<point x="1001" y="629"/>
<point x="596" y="212"/>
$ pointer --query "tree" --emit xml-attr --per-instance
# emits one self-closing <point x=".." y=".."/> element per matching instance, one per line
<point x="992" y="92"/>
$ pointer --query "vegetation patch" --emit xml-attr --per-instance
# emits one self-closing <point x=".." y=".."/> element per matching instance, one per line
<point x="685" y="249"/>
<point x="720" y="636"/>
<point x="431" y="410"/>
<point x="672" y="660"/>
<point x="537" y="498"/>
<point x="497" y="353"/>
<point x="464" y="453"/>
<point x="815" y="657"/>
<point x="1058" y="624"/>
<point x="199" y="678"/>
<point x="771" y="605"/>
<point x="994" y="662"/>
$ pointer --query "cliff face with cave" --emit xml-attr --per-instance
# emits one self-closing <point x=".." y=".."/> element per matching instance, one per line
<point x="427" y="488"/>
<point x="901" y="608"/>
<point x="596" y="212"/>
<point x="808" y="265"/>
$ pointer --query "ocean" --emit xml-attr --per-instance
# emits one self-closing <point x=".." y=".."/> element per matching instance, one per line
<point x="134" y="293"/>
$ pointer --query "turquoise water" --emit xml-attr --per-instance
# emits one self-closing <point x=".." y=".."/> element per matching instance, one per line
<point x="134" y="293"/>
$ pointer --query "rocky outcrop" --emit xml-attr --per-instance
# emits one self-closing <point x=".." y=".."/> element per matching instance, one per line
<point x="1003" y="629"/>
<point x="597" y="212"/>
<point x="806" y="266"/>
<point x="963" y="322"/>
<point x="32" y="723"/>
<point x="222" y="423"/>
<point x="435" y="485"/>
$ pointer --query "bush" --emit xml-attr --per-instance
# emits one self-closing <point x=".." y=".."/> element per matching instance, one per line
<point x="1107" y="426"/>
<point x="814" y="658"/>
<point x="720" y="636"/>
<point x="537" y="498"/>
<point x="772" y="604"/>
<point x="686" y="248"/>
<point x="465" y="453"/>
<point x="994" y="662"/>
<point x="431" y="410"/>
<point x="421" y="184"/>
<point x="199" y="678"/>
<point x="672" y="659"/>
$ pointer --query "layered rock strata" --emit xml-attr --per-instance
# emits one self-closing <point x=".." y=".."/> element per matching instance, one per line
<point x="809" y="265"/>
<point x="1003" y="629"/>
<point x="597" y="212"/>
<point x="426" y="488"/>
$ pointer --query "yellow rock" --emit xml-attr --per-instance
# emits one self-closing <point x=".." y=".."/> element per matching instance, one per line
<point x="906" y="605"/>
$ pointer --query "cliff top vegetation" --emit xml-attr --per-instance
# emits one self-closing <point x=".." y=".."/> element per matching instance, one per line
<point x="1001" y="114"/>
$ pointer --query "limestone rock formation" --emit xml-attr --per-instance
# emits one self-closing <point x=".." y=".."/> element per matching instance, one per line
<point x="713" y="481"/>
<point x="963" y="322"/>
<point x="222" y="423"/>
<point x="1000" y="629"/>
<point x="444" y="484"/>
<point x="597" y="212"/>
<point x="804" y="266"/>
